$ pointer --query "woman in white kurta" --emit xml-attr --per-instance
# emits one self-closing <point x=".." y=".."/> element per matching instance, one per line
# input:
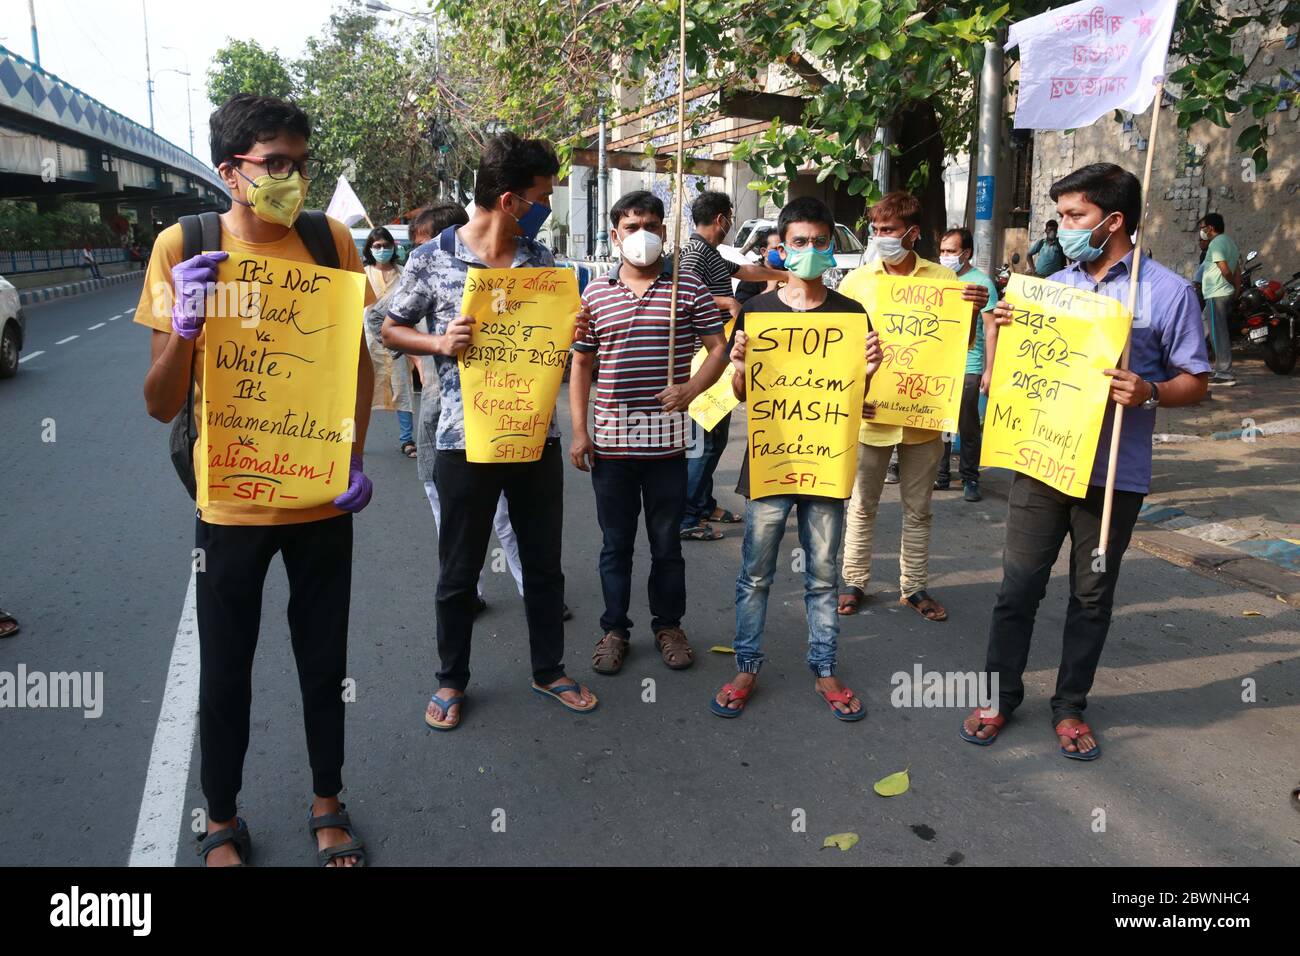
<point x="392" y="376"/>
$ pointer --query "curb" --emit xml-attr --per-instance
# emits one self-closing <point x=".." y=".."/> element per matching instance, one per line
<point x="1210" y="560"/>
<point x="37" y="296"/>
<point x="1287" y="426"/>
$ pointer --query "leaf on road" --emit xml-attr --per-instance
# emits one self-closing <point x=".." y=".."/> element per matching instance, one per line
<point x="893" y="785"/>
<point x="719" y="649"/>
<point x="845" y="841"/>
<point x="1251" y="614"/>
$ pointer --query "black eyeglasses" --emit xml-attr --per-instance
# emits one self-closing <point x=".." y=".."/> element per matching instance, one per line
<point x="282" y="167"/>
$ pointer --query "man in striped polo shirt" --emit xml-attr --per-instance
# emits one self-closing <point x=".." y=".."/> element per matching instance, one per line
<point x="640" y="422"/>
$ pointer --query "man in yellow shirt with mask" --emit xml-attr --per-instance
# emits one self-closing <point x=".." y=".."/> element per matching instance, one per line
<point x="896" y="226"/>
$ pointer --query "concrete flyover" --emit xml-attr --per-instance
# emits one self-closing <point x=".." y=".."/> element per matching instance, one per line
<point x="58" y="143"/>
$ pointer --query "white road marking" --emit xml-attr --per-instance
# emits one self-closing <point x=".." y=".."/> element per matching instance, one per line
<point x="162" y="807"/>
<point x="97" y="325"/>
<point x="29" y="355"/>
<point x="68" y="339"/>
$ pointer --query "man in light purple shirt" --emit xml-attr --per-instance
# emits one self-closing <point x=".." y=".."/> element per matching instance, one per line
<point x="1099" y="207"/>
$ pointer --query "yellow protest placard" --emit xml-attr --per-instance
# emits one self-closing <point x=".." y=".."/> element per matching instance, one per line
<point x="511" y="371"/>
<point x="279" y="383"/>
<point x="924" y="327"/>
<point x="804" y="378"/>
<point x="1048" y="393"/>
<point x="718" y="400"/>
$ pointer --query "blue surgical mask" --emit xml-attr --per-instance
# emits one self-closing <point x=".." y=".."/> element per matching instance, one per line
<point x="1077" y="243"/>
<point x="810" y="262"/>
<point x="530" y="223"/>
<point x="774" y="259"/>
<point x="383" y="254"/>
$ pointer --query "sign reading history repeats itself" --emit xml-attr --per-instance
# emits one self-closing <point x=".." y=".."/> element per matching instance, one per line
<point x="924" y="327"/>
<point x="510" y="374"/>
<point x="804" y="377"/>
<point x="1048" y="391"/>
<point x="279" y="383"/>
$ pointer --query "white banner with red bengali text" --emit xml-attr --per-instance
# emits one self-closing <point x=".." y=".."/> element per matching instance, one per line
<point x="1081" y="61"/>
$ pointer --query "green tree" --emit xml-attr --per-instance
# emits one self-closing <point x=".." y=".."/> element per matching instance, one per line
<point x="243" y="66"/>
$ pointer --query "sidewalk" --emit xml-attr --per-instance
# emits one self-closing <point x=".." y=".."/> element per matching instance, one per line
<point x="35" y="296"/>
<point x="1225" y="496"/>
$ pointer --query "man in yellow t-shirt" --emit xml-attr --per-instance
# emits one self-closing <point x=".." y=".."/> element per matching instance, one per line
<point x="896" y="226"/>
<point x="259" y="146"/>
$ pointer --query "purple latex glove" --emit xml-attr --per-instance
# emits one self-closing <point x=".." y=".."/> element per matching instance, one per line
<point x="190" y="281"/>
<point x="359" y="489"/>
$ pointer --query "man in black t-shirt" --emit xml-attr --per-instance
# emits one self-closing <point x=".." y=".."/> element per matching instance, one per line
<point x="807" y="230"/>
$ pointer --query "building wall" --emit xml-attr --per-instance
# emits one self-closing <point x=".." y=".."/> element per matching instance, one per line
<point x="1198" y="170"/>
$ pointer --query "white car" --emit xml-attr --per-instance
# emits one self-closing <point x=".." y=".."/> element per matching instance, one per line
<point x="13" y="327"/>
<point x="848" y="250"/>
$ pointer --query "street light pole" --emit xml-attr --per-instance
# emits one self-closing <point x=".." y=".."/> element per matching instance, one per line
<point x="602" y="192"/>
<point x="36" y="43"/>
<point x="148" y="70"/>
<point x="986" y="158"/>
<point x="189" y="100"/>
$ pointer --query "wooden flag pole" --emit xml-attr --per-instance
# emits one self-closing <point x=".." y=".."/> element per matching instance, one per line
<point x="1133" y="282"/>
<point x="678" y="189"/>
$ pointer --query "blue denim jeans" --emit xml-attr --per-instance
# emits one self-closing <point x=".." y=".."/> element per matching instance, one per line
<point x="405" y="427"/>
<point x="700" y="503"/>
<point x="821" y="527"/>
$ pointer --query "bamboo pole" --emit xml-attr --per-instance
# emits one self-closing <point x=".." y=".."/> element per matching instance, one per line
<point x="678" y="188"/>
<point x="1133" y="282"/>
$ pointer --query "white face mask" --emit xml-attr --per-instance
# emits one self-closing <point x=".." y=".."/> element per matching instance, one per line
<point x="951" y="262"/>
<point x="1204" y="234"/>
<point x="641" y="248"/>
<point x="891" y="248"/>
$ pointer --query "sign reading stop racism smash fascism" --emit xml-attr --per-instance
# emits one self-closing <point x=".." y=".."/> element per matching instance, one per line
<point x="924" y="327"/>
<point x="805" y="374"/>
<point x="511" y="371"/>
<point x="1048" y="392"/>
<point x="279" y="383"/>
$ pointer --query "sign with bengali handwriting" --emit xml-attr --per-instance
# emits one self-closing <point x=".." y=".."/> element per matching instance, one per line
<point x="511" y="372"/>
<point x="1048" y="391"/>
<point x="924" y="327"/>
<point x="279" y="383"/>
<point x="804" y="378"/>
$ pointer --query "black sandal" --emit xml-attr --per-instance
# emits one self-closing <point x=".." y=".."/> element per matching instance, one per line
<point x="7" y="619"/>
<point x="409" y="450"/>
<point x="340" y="821"/>
<point x="238" y="835"/>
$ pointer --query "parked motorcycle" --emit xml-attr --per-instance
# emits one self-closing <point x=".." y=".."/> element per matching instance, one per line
<point x="1267" y="314"/>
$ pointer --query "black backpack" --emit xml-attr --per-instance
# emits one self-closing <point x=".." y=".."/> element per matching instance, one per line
<point x="203" y="233"/>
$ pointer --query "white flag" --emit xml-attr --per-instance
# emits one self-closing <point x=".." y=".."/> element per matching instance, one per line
<point x="345" y="206"/>
<point x="1080" y="61"/>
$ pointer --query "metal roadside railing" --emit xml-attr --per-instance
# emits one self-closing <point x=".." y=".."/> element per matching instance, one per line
<point x="46" y="260"/>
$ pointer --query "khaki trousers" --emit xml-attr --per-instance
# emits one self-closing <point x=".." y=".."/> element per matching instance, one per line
<point x="917" y="465"/>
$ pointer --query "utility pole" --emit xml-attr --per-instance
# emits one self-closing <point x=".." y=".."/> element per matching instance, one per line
<point x="189" y="100"/>
<point x="602" y="193"/>
<point x="148" y="71"/>
<point x="986" y="160"/>
<point x="36" y="43"/>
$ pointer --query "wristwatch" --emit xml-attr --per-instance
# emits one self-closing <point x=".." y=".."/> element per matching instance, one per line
<point x="1154" y="400"/>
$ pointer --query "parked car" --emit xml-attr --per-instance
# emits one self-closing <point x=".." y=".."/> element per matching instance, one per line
<point x="848" y="250"/>
<point x="13" y="328"/>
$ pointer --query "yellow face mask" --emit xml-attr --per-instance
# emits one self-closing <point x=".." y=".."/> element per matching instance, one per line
<point x="276" y="200"/>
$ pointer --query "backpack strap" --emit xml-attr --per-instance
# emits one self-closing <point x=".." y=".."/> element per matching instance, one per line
<point x="201" y="233"/>
<point x="314" y="230"/>
<point x="447" y="240"/>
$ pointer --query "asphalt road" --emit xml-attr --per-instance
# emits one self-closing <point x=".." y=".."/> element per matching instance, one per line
<point x="95" y="561"/>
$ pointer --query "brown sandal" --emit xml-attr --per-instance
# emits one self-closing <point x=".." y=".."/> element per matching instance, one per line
<point x="609" y="654"/>
<point x="924" y="605"/>
<point x="851" y="598"/>
<point x="672" y="645"/>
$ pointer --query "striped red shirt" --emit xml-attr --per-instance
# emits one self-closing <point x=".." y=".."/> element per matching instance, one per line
<point x="630" y="337"/>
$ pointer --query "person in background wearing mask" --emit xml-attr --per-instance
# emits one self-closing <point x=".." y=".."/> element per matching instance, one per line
<point x="512" y="199"/>
<point x="392" y="383"/>
<point x="713" y="218"/>
<point x="1045" y="255"/>
<point x="806" y="231"/>
<point x="1098" y="204"/>
<point x="896" y="226"/>
<point x="259" y="147"/>
<point x="1220" y="281"/>
<point x="633" y="461"/>
<point x="768" y="243"/>
<point x="955" y="251"/>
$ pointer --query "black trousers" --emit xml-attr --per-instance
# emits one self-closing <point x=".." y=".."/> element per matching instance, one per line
<point x="318" y="560"/>
<point x="467" y="494"/>
<point x="1038" y="519"/>
<point x="621" y="485"/>
<point x="970" y="430"/>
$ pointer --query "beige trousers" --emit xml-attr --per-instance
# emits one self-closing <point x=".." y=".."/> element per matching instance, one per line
<point x="917" y="465"/>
